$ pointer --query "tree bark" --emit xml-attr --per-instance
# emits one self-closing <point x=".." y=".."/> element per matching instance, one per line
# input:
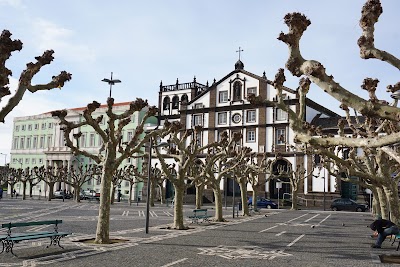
<point x="199" y="196"/>
<point x="295" y="192"/>
<point x="391" y="192"/>
<point x="77" y="196"/>
<point x="162" y="193"/>
<point x="130" y="193"/>
<point x="112" y="197"/>
<point x="51" y="190"/>
<point x="24" y="190"/>
<point x="243" y="196"/>
<point x="103" y="223"/>
<point x="218" y="204"/>
<point x="383" y="204"/>
<point x="178" y="207"/>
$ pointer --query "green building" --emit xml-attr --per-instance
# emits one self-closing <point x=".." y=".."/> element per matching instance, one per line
<point x="39" y="141"/>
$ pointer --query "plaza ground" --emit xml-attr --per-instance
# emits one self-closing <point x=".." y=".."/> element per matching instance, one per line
<point x="281" y="238"/>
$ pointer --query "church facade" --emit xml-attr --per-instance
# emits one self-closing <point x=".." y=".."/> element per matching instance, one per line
<point x="223" y="106"/>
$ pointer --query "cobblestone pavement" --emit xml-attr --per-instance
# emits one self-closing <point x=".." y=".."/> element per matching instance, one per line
<point x="269" y="238"/>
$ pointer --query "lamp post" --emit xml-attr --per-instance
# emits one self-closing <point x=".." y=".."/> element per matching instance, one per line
<point x="5" y="158"/>
<point x="111" y="82"/>
<point x="163" y="144"/>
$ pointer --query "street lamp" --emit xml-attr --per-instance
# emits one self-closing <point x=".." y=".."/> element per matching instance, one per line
<point x="163" y="144"/>
<point x="111" y="82"/>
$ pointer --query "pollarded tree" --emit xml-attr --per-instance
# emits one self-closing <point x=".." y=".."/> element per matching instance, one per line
<point x="219" y="163"/>
<point x="50" y="175"/>
<point x="183" y="151"/>
<point x="8" y="46"/>
<point x="133" y="176"/>
<point x="80" y="174"/>
<point x="115" y="151"/>
<point x="25" y="176"/>
<point x="381" y="132"/>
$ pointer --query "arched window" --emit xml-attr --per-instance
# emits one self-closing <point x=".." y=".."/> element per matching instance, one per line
<point x="175" y="102"/>
<point x="166" y="103"/>
<point x="237" y="91"/>
<point x="184" y="99"/>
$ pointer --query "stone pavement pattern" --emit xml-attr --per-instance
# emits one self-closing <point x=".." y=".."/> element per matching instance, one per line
<point x="283" y="238"/>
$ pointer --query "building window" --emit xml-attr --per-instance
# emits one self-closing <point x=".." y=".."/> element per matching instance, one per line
<point x="36" y="126"/>
<point x="281" y="115"/>
<point x="23" y="127"/>
<point x="22" y="143"/>
<point x="34" y="142"/>
<point x="43" y="126"/>
<point x="251" y="91"/>
<point x="14" y="161"/>
<point x="83" y="140"/>
<point x="41" y="142"/>
<point x="130" y="136"/>
<point x="237" y="91"/>
<point x="30" y="127"/>
<point x="251" y="116"/>
<point x="50" y="125"/>
<point x="280" y="136"/>
<point x="33" y="161"/>
<point x="89" y="182"/>
<point x="175" y="102"/>
<point x="15" y="143"/>
<point x="92" y="141"/>
<point x="198" y="105"/>
<point x="166" y="103"/>
<point x="16" y="128"/>
<point x="126" y="183"/>
<point x="49" y="139"/>
<point x="198" y="138"/>
<point x="99" y="140"/>
<point x="40" y="161"/>
<point x="222" y="117"/>
<point x="251" y="135"/>
<point x="184" y="99"/>
<point x="197" y="120"/>
<point x="28" y="142"/>
<point x="223" y="96"/>
<point x="27" y="161"/>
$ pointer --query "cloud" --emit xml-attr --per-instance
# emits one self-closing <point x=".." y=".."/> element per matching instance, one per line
<point x="13" y="3"/>
<point x="61" y="40"/>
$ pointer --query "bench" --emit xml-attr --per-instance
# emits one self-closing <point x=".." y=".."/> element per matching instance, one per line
<point x="199" y="214"/>
<point x="10" y="239"/>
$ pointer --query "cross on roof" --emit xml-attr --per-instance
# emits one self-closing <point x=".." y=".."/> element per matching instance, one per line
<point x="238" y="51"/>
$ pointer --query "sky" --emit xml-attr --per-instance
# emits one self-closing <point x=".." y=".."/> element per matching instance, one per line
<point x="146" y="42"/>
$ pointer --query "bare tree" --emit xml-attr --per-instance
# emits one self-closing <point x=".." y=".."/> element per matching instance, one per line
<point x="25" y="176"/>
<point x="183" y="151"/>
<point x="50" y="175"/>
<point x="8" y="46"/>
<point x="113" y="151"/>
<point x="78" y="175"/>
<point x="133" y="176"/>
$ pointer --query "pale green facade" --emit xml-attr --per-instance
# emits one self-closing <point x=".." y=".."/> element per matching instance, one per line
<point x="38" y="141"/>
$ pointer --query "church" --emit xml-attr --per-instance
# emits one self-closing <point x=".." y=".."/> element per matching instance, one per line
<point x="223" y="106"/>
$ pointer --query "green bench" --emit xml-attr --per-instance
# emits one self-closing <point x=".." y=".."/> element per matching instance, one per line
<point x="200" y="214"/>
<point x="10" y="239"/>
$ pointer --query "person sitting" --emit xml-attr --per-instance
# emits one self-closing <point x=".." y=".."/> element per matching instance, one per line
<point x="383" y="228"/>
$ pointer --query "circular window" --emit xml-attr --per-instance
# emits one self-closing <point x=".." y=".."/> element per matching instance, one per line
<point x="236" y="118"/>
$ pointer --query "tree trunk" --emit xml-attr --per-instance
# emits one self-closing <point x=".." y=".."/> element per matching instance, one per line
<point x="383" y="204"/>
<point x="218" y="204"/>
<point x="30" y="189"/>
<point x="375" y="206"/>
<point x="24" y="190"/>
<point x="391" y="192"/>
<point x="112" y="194"/>
<point x="243" y="196"/>
<point x="103" y="223"/>
<point x="178" y="207"/>
<point x="162" y="193"/>
<point x="51" y="190"/>
<point x="77" y="196"/>
<point x="295" y="193"/>
<point x="199" y="196"/>
<point x="254" y="197"/>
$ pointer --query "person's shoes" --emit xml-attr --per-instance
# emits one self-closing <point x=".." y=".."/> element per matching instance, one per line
<point x="375" y="246"/>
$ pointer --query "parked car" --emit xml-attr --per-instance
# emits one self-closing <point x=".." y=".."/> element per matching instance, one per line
<point x="263" y="203"/>
<point x="348" y="204"/>
<point x="61" y="195"/>
<point x="89" y="194"/>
